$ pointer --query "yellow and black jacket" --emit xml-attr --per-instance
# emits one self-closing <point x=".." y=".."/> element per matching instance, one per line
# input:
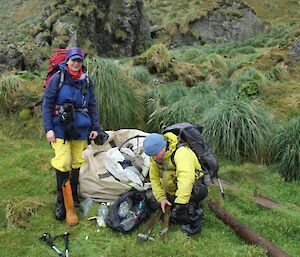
<point x="175" y="181"/>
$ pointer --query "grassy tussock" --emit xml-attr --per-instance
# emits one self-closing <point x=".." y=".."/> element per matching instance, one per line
<point x="171" y="103"/>
<point x="238" y="130"/>
<point x="157" y="58"/>
<point x="164" y="95"/>
<point x="9" y="86"/>
<point x="249" y="82"/>
<point x="277" y="73"/>
<point x="141" y="74"/>
<point x="285" y="148"/>
<point x="19" y="210"/>
<point x="190" y="73"/>
<point x="118" y="103"/>
<point x="18" y="99"/>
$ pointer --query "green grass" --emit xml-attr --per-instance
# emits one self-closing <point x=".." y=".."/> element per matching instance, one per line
<point x="286" y="150"/>
<point x="28" y="176"/>
<point x="276" y="11"/>
<point x="141" y="74"/>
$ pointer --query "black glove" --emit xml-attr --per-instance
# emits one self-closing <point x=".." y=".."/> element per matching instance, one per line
<point x="101" y="138"/>
<point x="180" y="214"/>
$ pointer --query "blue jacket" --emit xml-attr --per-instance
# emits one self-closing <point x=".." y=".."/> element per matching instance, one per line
<point x="70" y="92"/>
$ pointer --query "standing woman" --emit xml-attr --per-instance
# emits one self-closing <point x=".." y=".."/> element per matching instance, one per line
<point x="70" y="117"/>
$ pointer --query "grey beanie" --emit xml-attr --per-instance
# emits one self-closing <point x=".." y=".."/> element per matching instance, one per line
<point x="154" y="143"/>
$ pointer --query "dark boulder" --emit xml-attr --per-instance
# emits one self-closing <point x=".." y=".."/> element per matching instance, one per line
<point x="229" y="21"/>
<point x="32" y="57"/>
<point x="294" y="51"/>
<point x="14" y="57"/>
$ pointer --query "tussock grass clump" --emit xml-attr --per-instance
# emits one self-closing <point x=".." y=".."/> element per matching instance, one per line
<point x="19" y="210"/>
<point x="18" y="94"/>
<point x="249" y="82"/>
<point x="141" y="74"/>
<point x="9" y="86"/>
<point x="218" y="65"/>
<point x="167" y="115"/>
<point x="118" y="103"/>
<point x="276" y="37"/>
<point x="238" y="130"/>
<point x="164" y="95"/>
<point x="277" y="73"/>
<point x="285" y="148"/>
<point x="177" y="104"/>
<point x="190" y="73"/>
<point x="191" y="53"/>
<point x="157" y="58"/>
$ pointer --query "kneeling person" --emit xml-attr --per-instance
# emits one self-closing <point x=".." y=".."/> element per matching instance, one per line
<point x="176" y="177"/>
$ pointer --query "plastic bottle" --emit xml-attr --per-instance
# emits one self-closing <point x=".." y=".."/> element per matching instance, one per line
<point x="85" y="205"/>
<point x="102" y="213"/>
<point x="139" y="208"/>
<point x="128" y="223"/>
<point x="124" y="208"/>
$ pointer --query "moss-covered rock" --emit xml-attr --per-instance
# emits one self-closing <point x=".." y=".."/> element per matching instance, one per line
<point x="43" y="39"/>
<point x="214" y="22"/>
<point x="113" y="27"/>
<point x="32" y="57"/>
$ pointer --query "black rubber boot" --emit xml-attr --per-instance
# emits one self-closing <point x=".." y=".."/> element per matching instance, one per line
<point x="74" y="184"/>
<point x="60" y="211"/>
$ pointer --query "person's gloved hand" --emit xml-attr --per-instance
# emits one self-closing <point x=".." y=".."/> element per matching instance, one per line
<point x="180" y="214"/>
<point x="101" y="138"/>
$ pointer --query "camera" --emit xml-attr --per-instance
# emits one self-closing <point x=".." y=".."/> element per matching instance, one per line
<point x="68" y="112"/>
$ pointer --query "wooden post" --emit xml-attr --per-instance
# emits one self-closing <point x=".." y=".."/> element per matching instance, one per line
<point x="245" y="232"/>
<point x="165" y="229"/>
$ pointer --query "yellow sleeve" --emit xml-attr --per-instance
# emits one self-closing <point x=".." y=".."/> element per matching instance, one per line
<point x="157" y="189"/>
<point x="185" y="169"/>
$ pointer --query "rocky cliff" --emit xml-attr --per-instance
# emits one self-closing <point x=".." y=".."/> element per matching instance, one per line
<point x="105" y="27"/>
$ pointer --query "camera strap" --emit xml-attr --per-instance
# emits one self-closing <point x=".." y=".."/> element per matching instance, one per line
<point x="59" y="109"/>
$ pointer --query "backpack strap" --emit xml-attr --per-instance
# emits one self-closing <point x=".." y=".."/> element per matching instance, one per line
<point x="86" y="85"/>
<point x="61" y="80"/>
<point x="173" y="154"/>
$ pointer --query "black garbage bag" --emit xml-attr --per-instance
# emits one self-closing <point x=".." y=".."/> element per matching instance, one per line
<point x="195" y="226"/>
<point x="138" y="210"/>
<point x="189" y="216"/>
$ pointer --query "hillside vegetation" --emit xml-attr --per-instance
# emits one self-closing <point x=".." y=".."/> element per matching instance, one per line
<point x="246" y="95"/>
